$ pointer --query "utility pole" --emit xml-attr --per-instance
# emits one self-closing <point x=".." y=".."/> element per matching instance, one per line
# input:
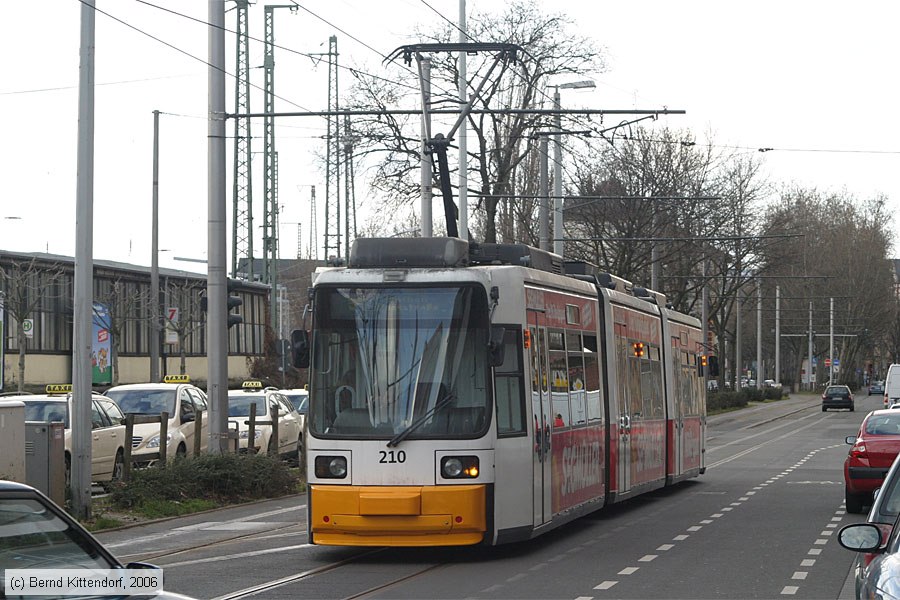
<point x="559" y="244"/>
<point x="704" y="315"/>
<point x="461" y="134"/>
<point x="738" y="362"/>
<point x="154" y="259"/>
<point x="831" y="341"/>
<point x="242" y="193"/>
<point x="425" y="177"/>
<point x="759" y="365"/>
<point x="349" y="188"/>
<point x="545" y="200"/>
<point x="82" y="371"/>
<point x="313" y="235"/>
<point x="777" y="334"/>
<point x="216" y="281"/>
<point x="812" y="383"/>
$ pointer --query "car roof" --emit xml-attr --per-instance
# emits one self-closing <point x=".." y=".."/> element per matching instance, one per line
<point x="14" y="486"/>
<point x="148" y="386"/>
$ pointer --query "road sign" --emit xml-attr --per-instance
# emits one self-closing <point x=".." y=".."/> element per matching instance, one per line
<point x="171" y="321"/>
<point x="827" y="362"/>
<point x="28" y="327"/>
<point x="837" y="362"/>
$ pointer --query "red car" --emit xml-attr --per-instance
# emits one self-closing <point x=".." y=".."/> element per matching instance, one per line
<point x="874" y="450"/>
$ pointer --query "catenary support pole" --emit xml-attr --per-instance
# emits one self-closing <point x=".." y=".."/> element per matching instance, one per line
<point x="425" y="164"/>
<point x="82" y="370"/>
<point x="461" y="132"/>
<point x="154" y="258"/>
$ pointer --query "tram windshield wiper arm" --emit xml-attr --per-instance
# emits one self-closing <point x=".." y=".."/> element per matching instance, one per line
<point x="418" y="422"/>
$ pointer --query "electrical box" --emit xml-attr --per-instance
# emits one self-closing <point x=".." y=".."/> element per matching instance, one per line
<point x="12" y="440"/>
<point x="45" y="458"/>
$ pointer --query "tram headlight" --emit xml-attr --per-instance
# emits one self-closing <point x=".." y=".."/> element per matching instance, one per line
<point x="459" y="467"/>
<point x="331" y="467"/>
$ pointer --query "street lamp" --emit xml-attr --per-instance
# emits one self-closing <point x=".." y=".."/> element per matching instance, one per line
<point x="558" y="242"/>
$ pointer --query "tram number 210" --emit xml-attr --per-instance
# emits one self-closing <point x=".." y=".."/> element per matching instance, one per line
<point x="390" y="457"/>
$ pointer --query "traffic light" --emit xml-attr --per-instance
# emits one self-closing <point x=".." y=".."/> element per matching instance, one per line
<point x="232" y="302"/>
<point x="234" y="319"/>
<point x="638" y="348"/>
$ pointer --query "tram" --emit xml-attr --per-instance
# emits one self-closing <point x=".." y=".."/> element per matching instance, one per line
<point x="465" y="393"/>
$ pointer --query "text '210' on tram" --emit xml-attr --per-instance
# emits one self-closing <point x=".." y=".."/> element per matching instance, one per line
<point x="484" y="393"/>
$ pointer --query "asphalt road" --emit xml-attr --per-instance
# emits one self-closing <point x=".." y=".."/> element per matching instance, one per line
<point x="761" y="523"/>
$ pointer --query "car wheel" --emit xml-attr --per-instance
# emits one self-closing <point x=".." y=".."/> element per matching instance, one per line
<point x="118" y="466"/>
<point x="851" y="409"/>
<point x="853" y="502"/>
<point x="824" y="409"/>
<point x="272" y="450"/>
<point x="181" y="452"/>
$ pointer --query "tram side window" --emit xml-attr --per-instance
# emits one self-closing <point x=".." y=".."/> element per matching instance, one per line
<point x="575" y="351"/>
<point x="509" y="378"/>
<point x="592" y="378"/>
<point x="657" y="408"/>
<point x="559" y="388"/>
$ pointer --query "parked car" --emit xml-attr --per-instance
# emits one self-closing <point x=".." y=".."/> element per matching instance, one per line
<point x="107" y="428"/>
<point x="299" y="398"/>
<point x="883" y="514"/>
<point x="35" y="533"/>
<point x="175" y="396"/>
<point x="270" y="404"/>
<point x="837" y="396"/>
<point x="876" y="387"/>
<point x="878" y="574"/>
<point x="872" y="453"/>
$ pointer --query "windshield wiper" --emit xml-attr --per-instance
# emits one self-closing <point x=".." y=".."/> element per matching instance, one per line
<point x="418" y="422"/>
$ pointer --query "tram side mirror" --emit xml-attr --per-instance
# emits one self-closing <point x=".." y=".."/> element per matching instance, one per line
<point x="496" y="347"/>
<point x="300" y="348"/>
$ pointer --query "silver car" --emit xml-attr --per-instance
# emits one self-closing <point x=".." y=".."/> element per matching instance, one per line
<point x="883" y="516"/>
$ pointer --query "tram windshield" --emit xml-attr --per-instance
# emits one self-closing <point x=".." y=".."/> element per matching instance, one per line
<point x="400" y="363"/>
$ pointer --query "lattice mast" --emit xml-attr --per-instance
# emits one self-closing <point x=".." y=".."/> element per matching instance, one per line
<point x="333" y="159"/>
<point x="313" y="250"/>
<point x="270" y="207"/>
<point x="242" y="193"/>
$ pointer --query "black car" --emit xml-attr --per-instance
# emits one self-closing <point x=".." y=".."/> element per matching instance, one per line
<point x="837" y="396"/>
<point x="36" y="534"/>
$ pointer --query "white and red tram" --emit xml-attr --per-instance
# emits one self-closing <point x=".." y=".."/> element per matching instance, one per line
<point x="474" y="394"/>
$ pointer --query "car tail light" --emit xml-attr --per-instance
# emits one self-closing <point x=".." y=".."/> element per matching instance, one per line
<point x="858" y="450"/>
<point x="824" y="396"/>
<point x="886" y="404"/>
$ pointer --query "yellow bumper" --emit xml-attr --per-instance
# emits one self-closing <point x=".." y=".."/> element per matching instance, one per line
<point x="397" y="516"/>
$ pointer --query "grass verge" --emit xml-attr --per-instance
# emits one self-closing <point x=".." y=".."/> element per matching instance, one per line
<point x="193" y="484"/>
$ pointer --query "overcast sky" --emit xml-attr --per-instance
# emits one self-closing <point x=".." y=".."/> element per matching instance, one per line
<point x="814" y="81"/>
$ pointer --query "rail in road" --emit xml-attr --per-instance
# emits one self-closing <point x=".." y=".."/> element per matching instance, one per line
<point x="771" y="501"/>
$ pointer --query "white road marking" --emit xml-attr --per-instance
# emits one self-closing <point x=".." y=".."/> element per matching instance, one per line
<point x="807" y="562"/>
<point x="716" y="515"/>
<point x="695" y="528"/>
<point x="605" y="585"/>
<point x="628" y="570"/>
<point x="705" y="521"/>
<point x="726" y="508"/>
<point x="820" y="542"/>
<point x="647" y="558"/>
<point x="799" y="575"/>
<point x="665" y="547"/>
<point x="815" y="551"/>
<point x="827" y="532"/>
<point x="789" y="590"/>
<point x="680" y="538"/>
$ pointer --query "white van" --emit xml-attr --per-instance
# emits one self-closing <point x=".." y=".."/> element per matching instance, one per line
<point x="892" y="385"/>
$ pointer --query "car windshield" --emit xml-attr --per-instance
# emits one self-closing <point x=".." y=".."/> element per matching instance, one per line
<point x="387" y="358"/>
<point x="48" y="410"/>
<point x="299" y="401"/>
<point x="239" y="405"/>
<point x="883" y="425"/>
<point x="33" y="537"/>
<point x="837" y="390"/>
<point x="144" y="402"/>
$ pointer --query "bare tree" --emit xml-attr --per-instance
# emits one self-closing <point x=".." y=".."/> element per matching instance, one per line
<point x="499" y="140"/>
<point x="27" y="287"/>
<point x="185" y="297"/>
